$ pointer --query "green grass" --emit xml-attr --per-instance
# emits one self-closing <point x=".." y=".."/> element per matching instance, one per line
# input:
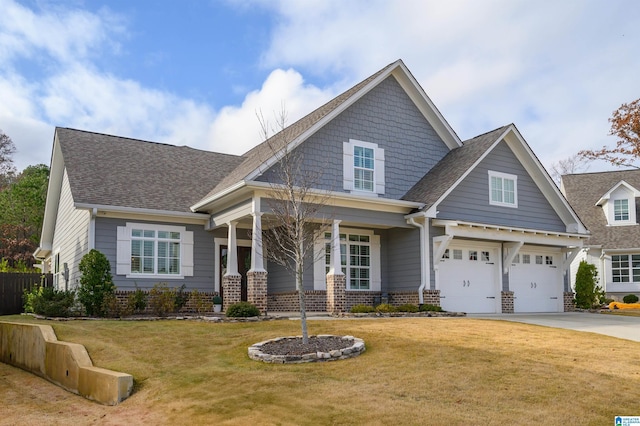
<point x="415" y="371"/>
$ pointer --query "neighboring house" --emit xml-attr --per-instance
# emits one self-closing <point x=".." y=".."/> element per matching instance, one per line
<point x="419" y="216"/>
<point x="607" y="203"/>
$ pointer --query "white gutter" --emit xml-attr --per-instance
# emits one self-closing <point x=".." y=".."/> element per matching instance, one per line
<point x="424" y="254"/>
<point x="150" y="212"/>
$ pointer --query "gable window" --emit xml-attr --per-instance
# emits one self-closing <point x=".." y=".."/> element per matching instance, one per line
<point x="625" y="267"/>
<point x="621" y="210"/>
<point x="363" y="167"/>
<point x="149" y="250"/>
<point x="503" y="189"/>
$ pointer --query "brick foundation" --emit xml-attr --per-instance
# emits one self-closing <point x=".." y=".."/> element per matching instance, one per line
<point x="257" y="289"/>
<point x="315" y="301"/>
<point x="507" y="302"/>
<point x="336" y="297"/>
<point x="231" y="290"/>
<point x="569" y="306"/>
<point x="202" y="304"/>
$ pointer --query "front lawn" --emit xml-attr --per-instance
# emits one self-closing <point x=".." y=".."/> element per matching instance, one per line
<point x="415" y="371"/>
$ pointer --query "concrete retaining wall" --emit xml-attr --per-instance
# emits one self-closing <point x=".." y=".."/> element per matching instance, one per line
<point x="36" y="348"/>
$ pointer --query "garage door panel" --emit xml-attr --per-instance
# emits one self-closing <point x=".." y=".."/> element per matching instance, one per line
<point x="536" y="281"/>
<point x="467" y="277"/>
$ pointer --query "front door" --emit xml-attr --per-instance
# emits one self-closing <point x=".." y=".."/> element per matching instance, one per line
<point x="244" y="264"/>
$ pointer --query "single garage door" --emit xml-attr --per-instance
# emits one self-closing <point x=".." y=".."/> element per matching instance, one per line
<point x="535" y="277"/>
<point x="468" y="278"/>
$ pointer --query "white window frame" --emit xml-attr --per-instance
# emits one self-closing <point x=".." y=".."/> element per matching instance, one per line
<point x="629" y="268"/>
<point x="503" y="177"/>
<point x="123" y="253"/>
<point x="349" y="168"/>
<point x="622" y="212"/>
<point x="320" y="265"/>
<point x="57" y="270"/>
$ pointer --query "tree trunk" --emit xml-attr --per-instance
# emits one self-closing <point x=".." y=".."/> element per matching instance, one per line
<point x="303" y="309"/>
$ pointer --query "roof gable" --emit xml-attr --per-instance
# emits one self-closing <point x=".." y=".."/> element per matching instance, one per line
<point x="439" y="182"/>
<point x="622" y="183"/>
<point x="262" y="157"/>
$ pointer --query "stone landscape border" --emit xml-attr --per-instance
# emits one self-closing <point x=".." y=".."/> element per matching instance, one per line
<point x="256" y="353"/>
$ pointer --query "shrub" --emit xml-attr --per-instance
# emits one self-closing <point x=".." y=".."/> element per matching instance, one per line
<point x="95" y="282"/>
<point x="162" y="299"/>
<point x="588" y="293"/>
<point x="385" y="308"/>
<point x="362" y="309"/>
<point x="630" y="298"/>
<point x="430" y="308"/>
<point x="49" y="302"/>
<point x="137" y="301"/>
<point x="181" y="298"/>
<point x="200" y="303"/>
<point x="217" y="300"/>
<point x="112" y="308"/>
<point x="242" y="309"/>
<point x="407" y="308"/>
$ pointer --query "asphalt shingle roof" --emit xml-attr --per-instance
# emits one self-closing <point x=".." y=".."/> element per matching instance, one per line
<point x="583" y="192"/>
<point x="117" y="171"/>
<point x="440" y="178"/>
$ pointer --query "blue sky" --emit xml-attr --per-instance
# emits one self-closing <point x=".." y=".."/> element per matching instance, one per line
<point x="195" y="72"/>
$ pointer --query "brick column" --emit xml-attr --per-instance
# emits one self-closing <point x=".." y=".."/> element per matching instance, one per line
<point x="507" y="302"/>
<point x="257" y="289"/>
<point x="569" y="305"/>
<point x="336" y="293"/>
<point x="431" y="297"/>
<point x="231" y="287"/>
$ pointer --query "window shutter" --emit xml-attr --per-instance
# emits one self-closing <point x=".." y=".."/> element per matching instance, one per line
<point x="376" y="276"/>
<point x="319" y="267"/>
<point x="379" y="171"/>
<point x="123" y="251"/>
<point x="347" y="163"/>
<point x="187" y="253"/>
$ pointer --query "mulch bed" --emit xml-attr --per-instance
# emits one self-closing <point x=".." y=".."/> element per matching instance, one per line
<point x="294" y="345"/>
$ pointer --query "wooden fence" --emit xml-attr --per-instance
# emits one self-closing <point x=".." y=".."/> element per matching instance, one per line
<point x="13" y="285"/>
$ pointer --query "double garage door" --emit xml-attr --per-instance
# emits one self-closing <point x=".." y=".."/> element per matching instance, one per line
<point x="470" y="279"/>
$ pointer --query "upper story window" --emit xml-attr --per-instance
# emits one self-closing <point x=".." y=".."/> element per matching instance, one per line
<point x="363" y="166"/>
<point x="503" y="189"/>
<point x="621" y="210"/>
<point x="147" y="250"/>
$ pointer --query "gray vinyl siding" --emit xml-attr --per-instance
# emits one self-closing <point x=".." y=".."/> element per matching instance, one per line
<point x="469" y="201"/>
<point x="203" y="257"/>
<point x="403" y="259"/>
<point x="387" y="117"/>
<point x="280" y="280"/>
<point x="71" y="235"/>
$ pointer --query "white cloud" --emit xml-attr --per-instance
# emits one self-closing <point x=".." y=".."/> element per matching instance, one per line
<point x="237" y="129"/>
<point x="556" y="69"/>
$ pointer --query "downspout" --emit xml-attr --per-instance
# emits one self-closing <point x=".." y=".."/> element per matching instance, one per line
<point x="424" y="256"/>
<point x="92" y="229"/>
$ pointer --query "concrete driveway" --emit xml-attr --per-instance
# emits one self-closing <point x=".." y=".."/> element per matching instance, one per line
<point x="622" y="327"/>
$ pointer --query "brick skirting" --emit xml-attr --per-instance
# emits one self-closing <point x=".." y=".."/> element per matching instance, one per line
<point x="315" y="301"/>
<point x="569" y="306"/>
<point x="203" y="301"/>
<point x="507" y="302"/>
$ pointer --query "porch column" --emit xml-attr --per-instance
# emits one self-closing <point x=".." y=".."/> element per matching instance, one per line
<point x="231" y="281"/>
<point x="257" y="275"/>
<point x="336" y="280"/>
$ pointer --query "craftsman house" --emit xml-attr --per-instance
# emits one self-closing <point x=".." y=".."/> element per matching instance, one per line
<point x="416" y="214"/>
<point x="607" y="203"/>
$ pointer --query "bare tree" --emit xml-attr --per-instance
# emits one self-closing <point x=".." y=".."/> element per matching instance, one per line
<point x="295" y="221"/>
<point x="575" y="163"/>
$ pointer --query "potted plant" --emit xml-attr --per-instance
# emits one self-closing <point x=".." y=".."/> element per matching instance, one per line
<point x="217" y="304"/>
